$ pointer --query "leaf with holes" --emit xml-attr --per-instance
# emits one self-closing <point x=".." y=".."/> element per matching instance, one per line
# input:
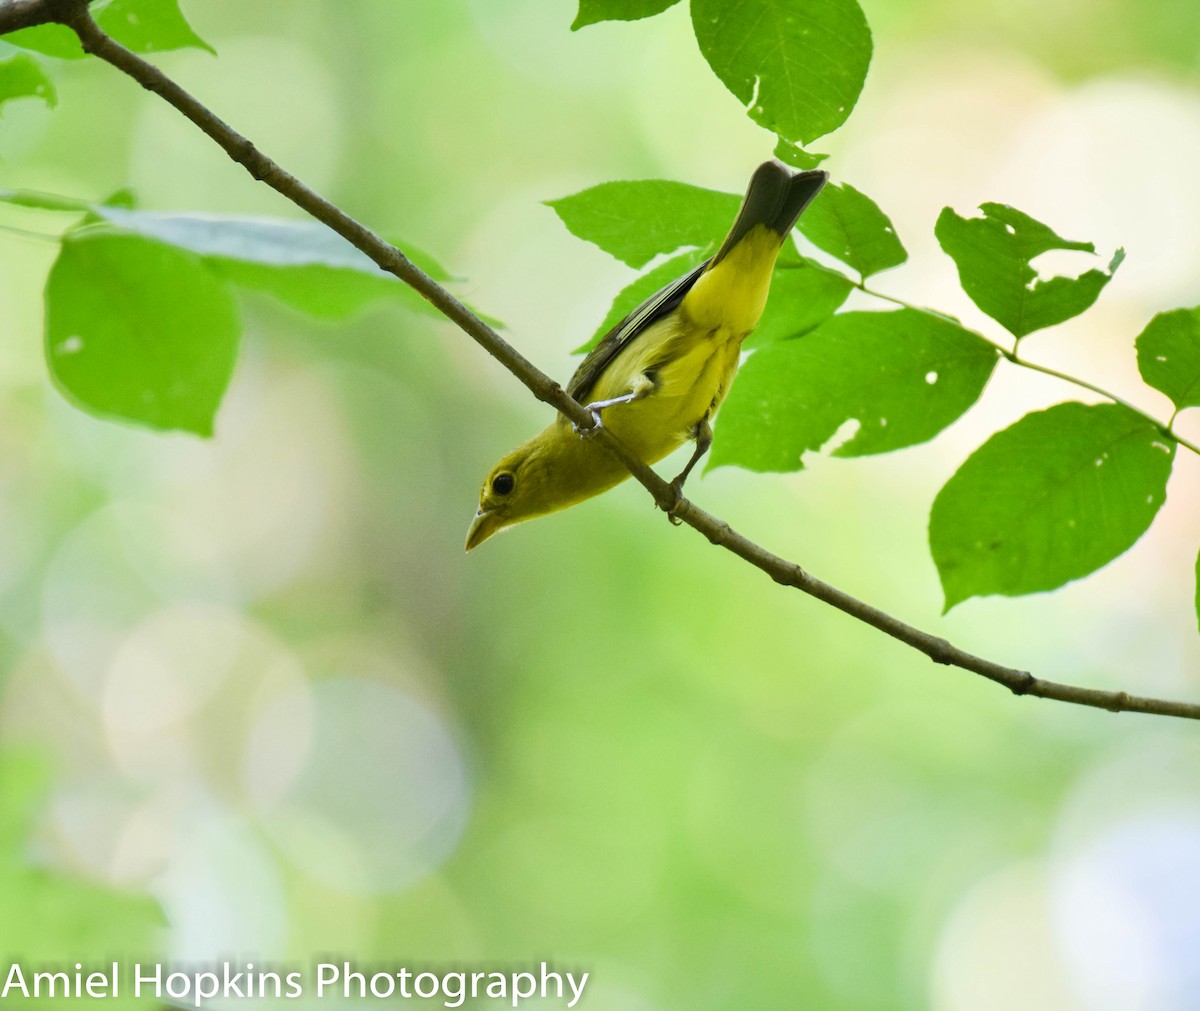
<point x="1168" y="353"/>
<point x="849" y="225"/>
<point x="903" y="376"/>
<point x="139" y="330"/>
<point x="593" y="11"/>
<point x="639" y="220"/>
<point x="22" y="76"/>
<point x="993" y="255"/>
<point x="797" y="68"/>
<point x="1050" y="499"/>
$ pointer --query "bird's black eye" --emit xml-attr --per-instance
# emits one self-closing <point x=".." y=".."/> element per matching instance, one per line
<point x="502" y="484"/>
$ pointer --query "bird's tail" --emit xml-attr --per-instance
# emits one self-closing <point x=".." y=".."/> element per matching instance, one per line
<point x="775" y="198"/>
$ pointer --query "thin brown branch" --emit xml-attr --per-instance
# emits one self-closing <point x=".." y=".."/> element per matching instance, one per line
<point x="74" y="13"/>
<point x="17" y="14"/>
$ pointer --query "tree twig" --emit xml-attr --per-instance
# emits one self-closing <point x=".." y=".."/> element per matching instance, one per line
<point x="17" y="14"/>
<point x="75" y="14"/>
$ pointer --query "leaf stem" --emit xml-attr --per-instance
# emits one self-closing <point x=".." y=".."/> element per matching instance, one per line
<point x="1014" y="357"/>
<point x="1165" y="428"/>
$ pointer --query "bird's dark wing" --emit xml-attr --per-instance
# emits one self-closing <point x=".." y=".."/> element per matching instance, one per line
<point x="658" y="305"/>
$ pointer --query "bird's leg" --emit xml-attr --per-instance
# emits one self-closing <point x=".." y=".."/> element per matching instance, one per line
<point x="702" y="433"/>
<point x="643" y="388"/>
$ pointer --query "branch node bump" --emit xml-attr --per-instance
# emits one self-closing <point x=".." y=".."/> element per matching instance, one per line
<point x="1025" y="685"/>
<point x="940" y="651"/>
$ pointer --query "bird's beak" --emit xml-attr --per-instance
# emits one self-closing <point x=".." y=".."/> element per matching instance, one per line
<point x="485" y="523"/>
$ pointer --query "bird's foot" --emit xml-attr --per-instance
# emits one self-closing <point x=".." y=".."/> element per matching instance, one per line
<point x="597" y="424"/>
<point x="677" y="494"/>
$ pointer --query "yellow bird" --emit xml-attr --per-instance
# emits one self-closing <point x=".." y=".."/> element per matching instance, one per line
<point x="660" y="374"/>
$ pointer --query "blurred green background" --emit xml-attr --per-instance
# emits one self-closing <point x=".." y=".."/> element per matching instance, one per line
<point x="257" y="704"/>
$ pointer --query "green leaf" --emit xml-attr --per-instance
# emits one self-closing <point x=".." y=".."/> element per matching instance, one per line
<point x="1168" y="352"/>
<point x="44" y="201"/>
<point x="49" y="40"/>
<point x="1048" y="500"/>
<point x="145" y="26"/>
<point x="322" y="292"/>
<point x="797" y="157"/>
<point x="303" y="264"/>
<point x="994" y="253"/>
<point x="639" y="220"/>
<point x="635" y="293"/>
<point x="849" y="225"/>
<point x="139" y="330"/>
<point x="903" y="376"/>
<point x="803" y="296"/>
<point x="150" y="26"/>
<point x="125" y="197"/>
<point x="593" y="11"/>
<point x="22" y="76"/>
<point x="798" y="67"/>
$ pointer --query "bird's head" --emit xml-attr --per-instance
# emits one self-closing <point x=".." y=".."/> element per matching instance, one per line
<point x="517" y="488"/>
<point x="553" y="470"/>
